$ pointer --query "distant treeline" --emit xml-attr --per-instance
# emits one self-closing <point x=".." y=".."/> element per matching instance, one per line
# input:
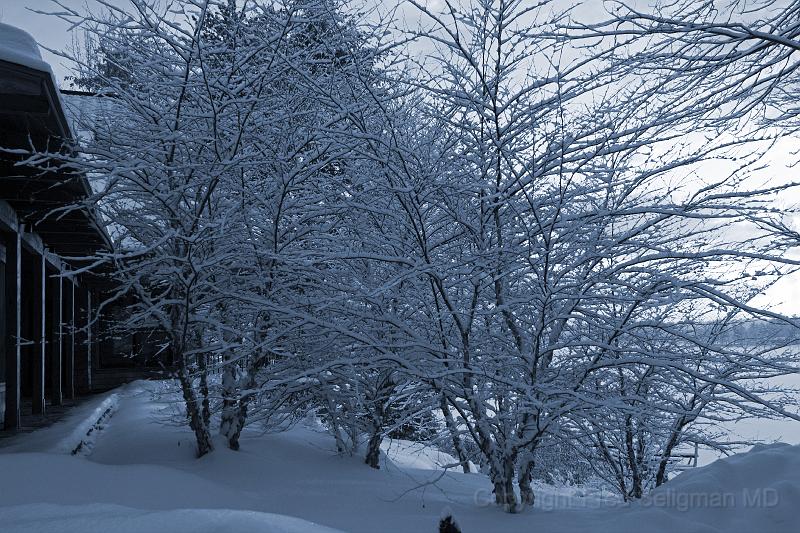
<point x="776" y="331"/>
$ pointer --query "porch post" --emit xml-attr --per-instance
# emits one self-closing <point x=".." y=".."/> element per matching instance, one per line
<point x="89" y="339"/>
<point x="69" y="338"/>
<point x="39" y="334"/>
<point x="55" y="340"/>
<point x="13" y="327"/>
<point x="81" y="337"/>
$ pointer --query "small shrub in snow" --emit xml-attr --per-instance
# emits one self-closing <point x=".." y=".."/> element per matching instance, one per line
<point x="448" y="524"/>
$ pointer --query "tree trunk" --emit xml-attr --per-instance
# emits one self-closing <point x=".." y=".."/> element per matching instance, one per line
<point x="240" y="419"/>
<point x="236" y="428"/>
<point x="504" y="494"/>
<point x="374" y="449"/>
<point x="524" y="478"/>
<point x="453" y="429"/>
<point x="200" y="429"/>
<point x="633" y="464"/>
<point x="677" y="431"/>
<point x="333" y="420"/>
<point x="203" y="363"/>
<point x="228" y="424"/>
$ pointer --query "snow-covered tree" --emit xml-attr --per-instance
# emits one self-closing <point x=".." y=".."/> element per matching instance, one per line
<point x="518" y="244"/>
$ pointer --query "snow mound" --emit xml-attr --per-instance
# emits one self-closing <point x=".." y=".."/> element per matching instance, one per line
<point x="75" y="433"/>
<point x="18" y="46"/>
<point x="142" y="475"/>
<point x="100" y="518"/>
<point x="82" y="438"/>
<point x="410" y="454"/>
<point x="757" y="491"/>
<point x="754" y="491"/>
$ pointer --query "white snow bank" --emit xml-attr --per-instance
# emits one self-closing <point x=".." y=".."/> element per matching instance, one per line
<point x="410" y="454"/>
<point x="142" y="473"/>
<point x="77" y="430"/>
<point x="100" y="518"/>
<point x="757" y="491"/>
<point x="82" y="439"/>
<point x="754" y="491"/>
<point x="18" y="46"/>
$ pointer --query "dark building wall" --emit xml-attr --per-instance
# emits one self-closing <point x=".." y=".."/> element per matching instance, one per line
<point x="58" y="352"/>
<point x="2" y="313"/>
<point x="2" y="332"/>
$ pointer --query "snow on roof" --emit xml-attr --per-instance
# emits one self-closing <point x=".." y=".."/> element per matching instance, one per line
<point x="18" y="46"/>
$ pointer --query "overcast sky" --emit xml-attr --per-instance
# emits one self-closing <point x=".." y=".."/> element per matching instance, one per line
<point x="49" y="31"/>
<point x="54" y="33"/>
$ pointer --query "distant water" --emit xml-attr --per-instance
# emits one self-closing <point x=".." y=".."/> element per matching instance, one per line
<point x="768" y="431"/>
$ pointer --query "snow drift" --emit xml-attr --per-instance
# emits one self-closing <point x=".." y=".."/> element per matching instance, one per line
<point x="142" y="475"/>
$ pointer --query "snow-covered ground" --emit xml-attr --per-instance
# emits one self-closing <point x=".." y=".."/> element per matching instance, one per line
<point x="139" y="474"/>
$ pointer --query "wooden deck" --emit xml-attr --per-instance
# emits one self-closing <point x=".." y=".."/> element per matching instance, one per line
<point x="31" y="422"/>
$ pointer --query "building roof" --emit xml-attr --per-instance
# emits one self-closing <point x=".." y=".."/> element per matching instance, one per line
<point x="32" y="117"/>
<point x="19" y="47"/>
